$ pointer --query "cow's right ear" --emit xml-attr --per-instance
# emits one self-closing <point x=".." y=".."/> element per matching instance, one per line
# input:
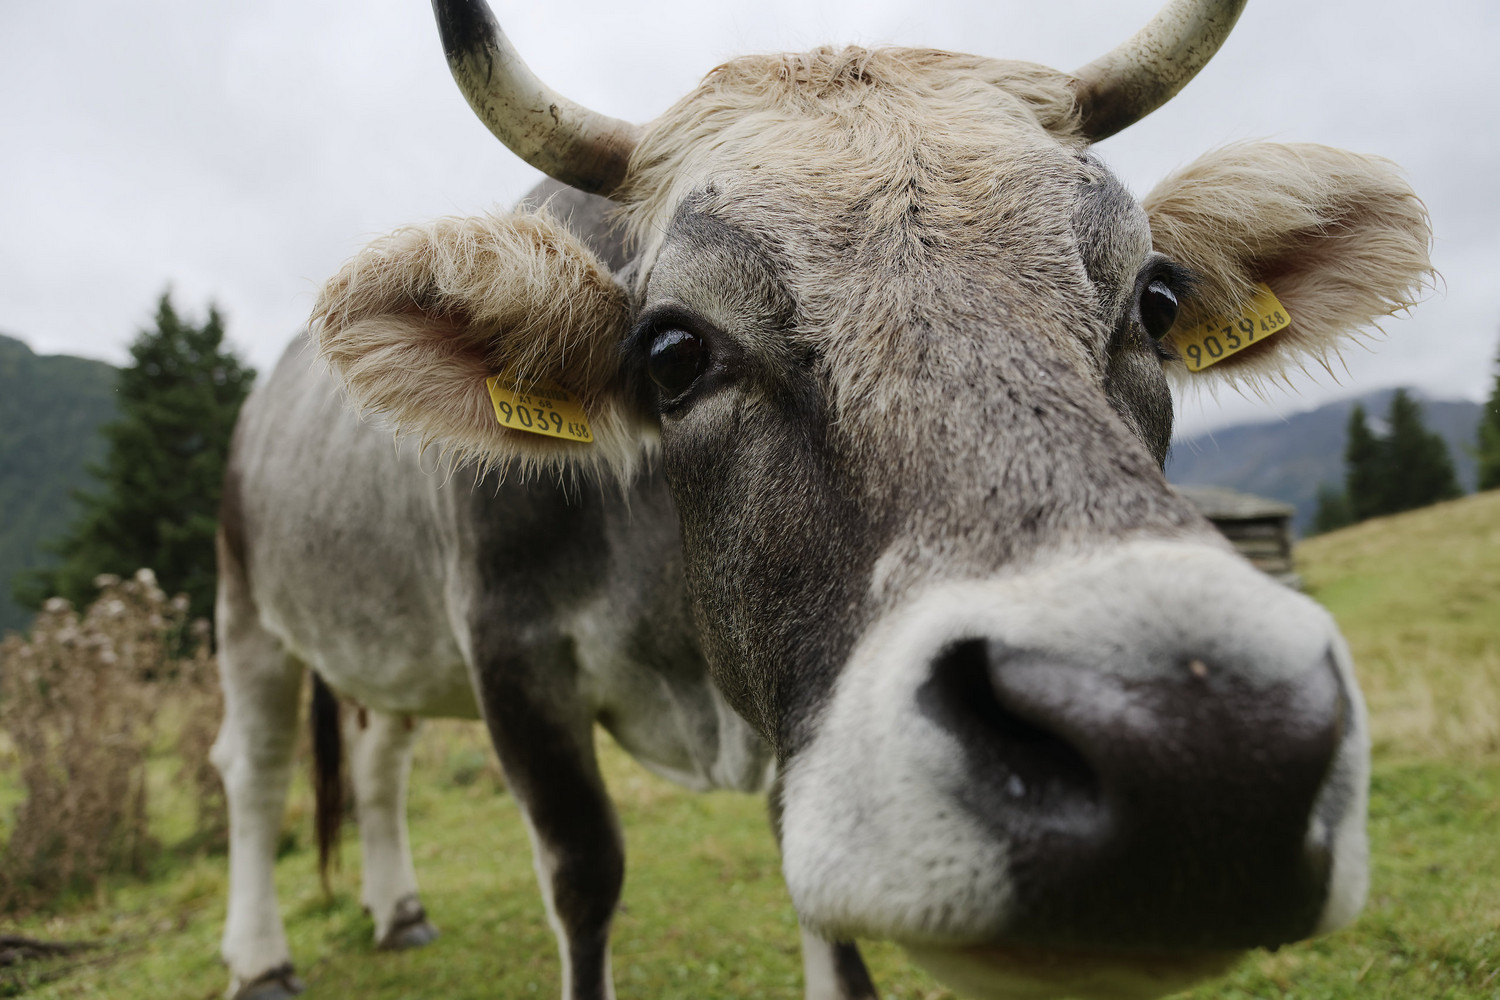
<point x="419" y="320"/>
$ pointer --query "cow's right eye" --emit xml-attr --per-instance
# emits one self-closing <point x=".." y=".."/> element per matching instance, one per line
<point x="677" y="359"/>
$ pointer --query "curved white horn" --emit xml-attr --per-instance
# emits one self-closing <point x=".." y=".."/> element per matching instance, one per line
<point x="1123" y="86"/>
<point x="562" y="139"/>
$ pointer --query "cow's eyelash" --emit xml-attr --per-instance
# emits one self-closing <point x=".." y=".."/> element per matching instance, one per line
<point x="1178" y="277"/>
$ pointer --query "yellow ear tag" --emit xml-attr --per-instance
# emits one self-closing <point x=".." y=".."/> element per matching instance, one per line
<point x="542" y="408"/>
<point x="1210" y="342"/>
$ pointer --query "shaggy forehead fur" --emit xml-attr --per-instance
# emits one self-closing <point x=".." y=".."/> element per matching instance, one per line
<point x="899" y="190"/>
<point x="871" y="106"/>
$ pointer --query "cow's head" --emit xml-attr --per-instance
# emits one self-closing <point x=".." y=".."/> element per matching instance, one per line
<point x="904" y="345"/>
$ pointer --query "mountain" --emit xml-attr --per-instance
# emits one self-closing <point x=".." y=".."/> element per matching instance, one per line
<point x="1288" y="460"/>
<point x="50" y="411"/>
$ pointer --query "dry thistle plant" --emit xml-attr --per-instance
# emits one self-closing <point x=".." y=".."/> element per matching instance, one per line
<point x="79" y="702"/>
<point x="195" y="691"/>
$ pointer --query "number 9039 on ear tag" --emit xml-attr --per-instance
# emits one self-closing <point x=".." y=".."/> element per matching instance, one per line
<point x="542" y="408"/>
<point x="1212" y="341"/>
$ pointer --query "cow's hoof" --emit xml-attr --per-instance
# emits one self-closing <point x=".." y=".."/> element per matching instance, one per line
<point x="414" y="936"/>
<point x="410" y="929"/>
<point x="280" y="983"/>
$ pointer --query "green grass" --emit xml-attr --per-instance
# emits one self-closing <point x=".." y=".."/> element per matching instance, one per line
<point x="706" y="914"/>
<point x="1418" y="596"/>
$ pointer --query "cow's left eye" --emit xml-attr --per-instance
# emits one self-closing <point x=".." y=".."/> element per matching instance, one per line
<point x="677" y="359"/>
<point x="1158" y="309"/>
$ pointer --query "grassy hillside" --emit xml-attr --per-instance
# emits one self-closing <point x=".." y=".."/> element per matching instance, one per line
<point x="706" y="914"/>
<point x="1418" y="596"/>
<point x="50" y="411"/>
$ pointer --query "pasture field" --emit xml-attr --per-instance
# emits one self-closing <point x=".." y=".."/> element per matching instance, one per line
<point x="705" y="912"/>
<point x="1418" y="597"/>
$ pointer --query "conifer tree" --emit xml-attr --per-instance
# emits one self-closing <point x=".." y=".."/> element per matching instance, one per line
<point x="1332" y="511"/>
<point x="1364" y="469"/>
<point x="159" y="485"/>
<point x="1407" y="468"/>
<point x="1421" y="469"/>
<point x="1489" y="437"/>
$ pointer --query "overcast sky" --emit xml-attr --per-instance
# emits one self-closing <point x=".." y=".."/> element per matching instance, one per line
<point x="239" y="152"/>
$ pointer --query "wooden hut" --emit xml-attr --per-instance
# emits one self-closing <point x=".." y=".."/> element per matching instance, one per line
<point x="1259" y="528"/>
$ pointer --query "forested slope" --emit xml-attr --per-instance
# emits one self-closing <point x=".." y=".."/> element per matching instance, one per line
<point x="50" y="410"/>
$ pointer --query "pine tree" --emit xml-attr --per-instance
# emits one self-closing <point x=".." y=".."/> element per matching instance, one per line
<point x="1489" y="438"/>
<point x="159" y="484"/>
<point x="1364" y="469"/>
<point x="1332" y="512"/>
<point x="1421" y="469"/>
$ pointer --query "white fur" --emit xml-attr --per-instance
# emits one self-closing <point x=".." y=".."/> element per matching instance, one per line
<point x="362" y="569"/>
<point x="1350" y="880"/>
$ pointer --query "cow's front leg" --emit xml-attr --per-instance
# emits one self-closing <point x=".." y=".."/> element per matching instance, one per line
<point x="543" y="732"/>
<point x="253" y="753"/>
<point x="380" y="763"/>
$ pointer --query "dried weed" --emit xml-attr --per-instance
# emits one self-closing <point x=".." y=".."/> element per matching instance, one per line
<point x="79" y="705"/>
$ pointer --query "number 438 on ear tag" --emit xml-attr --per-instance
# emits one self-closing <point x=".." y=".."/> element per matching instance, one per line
<point x="1212" y="341"/>
<point x="542" y="408"/>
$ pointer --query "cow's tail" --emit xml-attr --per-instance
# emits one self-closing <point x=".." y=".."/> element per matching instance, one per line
<point x="328" y="775"/>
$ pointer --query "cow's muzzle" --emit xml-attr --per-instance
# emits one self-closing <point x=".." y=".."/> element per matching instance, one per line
<point x="1161" y="807"/>
<point x="1152" y="755"/>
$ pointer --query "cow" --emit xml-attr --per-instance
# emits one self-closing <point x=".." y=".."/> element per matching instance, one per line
<point x="855" y="371"/>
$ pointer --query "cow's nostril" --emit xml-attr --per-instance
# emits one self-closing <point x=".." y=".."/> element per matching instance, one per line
<point x="1017" y="765"/>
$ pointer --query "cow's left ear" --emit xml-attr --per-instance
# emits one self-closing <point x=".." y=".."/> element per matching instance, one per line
<point x="418" y="322"/>
<point x="1341" y="240"/>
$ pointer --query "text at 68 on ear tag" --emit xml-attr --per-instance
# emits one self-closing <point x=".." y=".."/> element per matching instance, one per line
<point x="542" y="408"/>
<point x="1216" y="339"/>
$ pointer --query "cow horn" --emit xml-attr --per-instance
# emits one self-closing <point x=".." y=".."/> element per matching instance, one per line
<point x="1123" y="86"/>
<point x="562" y="139"/>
